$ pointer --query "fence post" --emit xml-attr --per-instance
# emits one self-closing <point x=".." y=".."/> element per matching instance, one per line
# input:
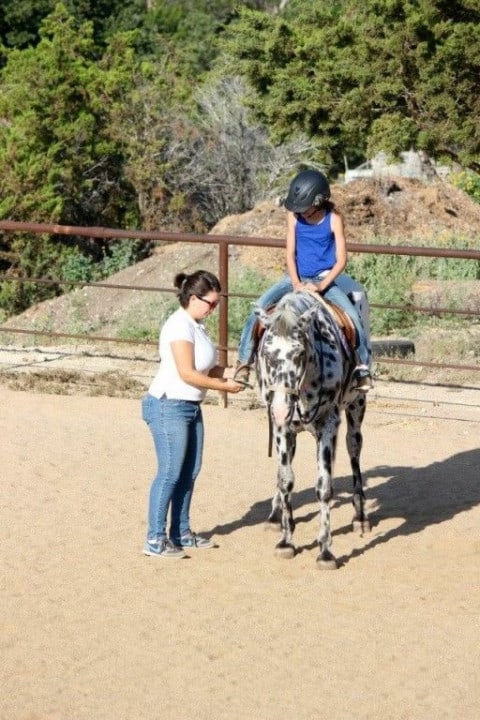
<point x="223" y="314"/>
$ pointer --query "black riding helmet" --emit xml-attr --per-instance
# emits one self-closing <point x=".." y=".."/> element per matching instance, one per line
<point x="308" y="188"/>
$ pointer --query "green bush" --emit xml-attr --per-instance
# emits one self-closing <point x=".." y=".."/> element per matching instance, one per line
<point x="42" y="256"/>
<point x="468" y="181"/>
<point x="247" y="282"/>
<point x="121" y="255"/>
<point x="78" y="267"/>
<point x="388" y="280"/>
<point x="147" y="326"/>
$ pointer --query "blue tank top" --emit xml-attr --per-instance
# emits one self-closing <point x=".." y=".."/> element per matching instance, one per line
<point x="314" y="246"/>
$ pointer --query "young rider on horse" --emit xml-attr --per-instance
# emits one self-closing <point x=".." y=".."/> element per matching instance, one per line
<point x="316" y="257"/>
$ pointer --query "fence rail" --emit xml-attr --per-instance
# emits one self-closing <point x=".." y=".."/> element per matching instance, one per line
<point x="223" y="243"/>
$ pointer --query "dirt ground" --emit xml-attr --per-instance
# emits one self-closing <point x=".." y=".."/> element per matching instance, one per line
<point x="93" y="630"/>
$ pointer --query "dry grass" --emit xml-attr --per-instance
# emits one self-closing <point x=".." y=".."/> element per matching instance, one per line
<point x="67" y="382"/>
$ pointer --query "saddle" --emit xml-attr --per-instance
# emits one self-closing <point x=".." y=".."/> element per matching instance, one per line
<point x="344" y="322"/>
<point x="340" y="317"/>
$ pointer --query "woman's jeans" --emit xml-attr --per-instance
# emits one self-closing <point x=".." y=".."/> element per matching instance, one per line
<point x="177" y="431"/>
<point x="336" y="293"/>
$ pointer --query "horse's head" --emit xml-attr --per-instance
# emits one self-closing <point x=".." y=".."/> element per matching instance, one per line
<point x="282" y="356"/>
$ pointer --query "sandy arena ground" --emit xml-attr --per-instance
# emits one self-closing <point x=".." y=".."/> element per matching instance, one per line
<point x="93" y="630"/>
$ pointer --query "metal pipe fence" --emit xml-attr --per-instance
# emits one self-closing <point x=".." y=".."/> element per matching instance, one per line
<point x="223" y="243"/>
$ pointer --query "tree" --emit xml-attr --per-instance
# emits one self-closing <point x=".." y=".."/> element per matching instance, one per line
<point x="21" y="20"/>
<point x="300" y="72"/>
<point x="143" y="126"/>
<point x="361" y="77"/>
<point x="224" y="162"/>
<point x="423" y="66"/>
<point x="57" y="161"/>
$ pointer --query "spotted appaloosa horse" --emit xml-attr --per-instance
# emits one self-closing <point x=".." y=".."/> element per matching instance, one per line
<point x="304" y="371"/>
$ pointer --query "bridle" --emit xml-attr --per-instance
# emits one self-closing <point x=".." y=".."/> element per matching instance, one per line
<point x="295" y="393"/>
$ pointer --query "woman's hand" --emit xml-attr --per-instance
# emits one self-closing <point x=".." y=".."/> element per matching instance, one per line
<point x="231" y="386"/>
<point x="224" y="375"/>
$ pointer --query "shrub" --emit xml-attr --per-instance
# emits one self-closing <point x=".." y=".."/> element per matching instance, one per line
<point x="468" y="181"/>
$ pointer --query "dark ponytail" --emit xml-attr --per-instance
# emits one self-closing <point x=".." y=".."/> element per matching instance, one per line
<point x="199" y="283"/>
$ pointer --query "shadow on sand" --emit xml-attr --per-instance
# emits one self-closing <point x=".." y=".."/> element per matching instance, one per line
<point x="421" y="496"/>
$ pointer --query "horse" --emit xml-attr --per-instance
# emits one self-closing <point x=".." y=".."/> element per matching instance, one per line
<point x="304" y="371"/>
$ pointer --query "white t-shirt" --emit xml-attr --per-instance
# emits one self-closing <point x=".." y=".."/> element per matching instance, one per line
<point x="167" y="381"/>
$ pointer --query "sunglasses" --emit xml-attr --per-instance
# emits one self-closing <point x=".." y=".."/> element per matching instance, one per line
<point x="212" y="304"/>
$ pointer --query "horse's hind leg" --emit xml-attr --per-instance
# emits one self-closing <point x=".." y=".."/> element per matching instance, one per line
<point x="274" y="520"/>
<point x="355" y="413"/>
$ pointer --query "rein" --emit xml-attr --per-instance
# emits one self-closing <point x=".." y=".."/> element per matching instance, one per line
<point x="295" y="393"/>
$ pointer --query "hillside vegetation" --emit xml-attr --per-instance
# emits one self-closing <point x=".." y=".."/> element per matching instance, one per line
<point x="423" y="215"/>
<point x="174" y="115"/>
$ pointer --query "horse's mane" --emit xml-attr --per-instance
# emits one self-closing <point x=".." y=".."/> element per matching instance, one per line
<point x="284" y="321"/>
<point x="285" y="317"/>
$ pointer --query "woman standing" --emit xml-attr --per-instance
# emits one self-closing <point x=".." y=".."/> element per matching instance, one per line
<point x="173" y="413"/>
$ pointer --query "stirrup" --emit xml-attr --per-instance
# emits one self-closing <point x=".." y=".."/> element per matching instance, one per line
<point x="242" y="375"/>
<point x="362" y="378"/>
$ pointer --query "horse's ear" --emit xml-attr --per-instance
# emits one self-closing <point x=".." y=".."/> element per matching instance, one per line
<point x="262" y="315"/>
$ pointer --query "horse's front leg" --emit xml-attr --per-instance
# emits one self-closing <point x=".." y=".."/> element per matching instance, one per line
<point x="326" y="448"/>
<point x="355" y="413"/>
<point x="274" y="520"/>
<point x="285" y="443"/>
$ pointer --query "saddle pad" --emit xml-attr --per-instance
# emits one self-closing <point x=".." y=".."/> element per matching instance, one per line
<point x="344" y="322"/>
<point x="341" y="318"/>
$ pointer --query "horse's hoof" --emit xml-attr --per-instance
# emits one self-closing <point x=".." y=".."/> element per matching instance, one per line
<point x="284" y="551"/>
<point x="361" y="526"/>
<point x="326" y="561"/>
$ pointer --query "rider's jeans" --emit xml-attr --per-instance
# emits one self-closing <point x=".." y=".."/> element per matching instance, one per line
<point x="246" y="348"/>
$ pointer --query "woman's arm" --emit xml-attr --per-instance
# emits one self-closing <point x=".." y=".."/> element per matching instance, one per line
<point x="220" y="371"/>
<point x="183" y="354"/>
<point x="290" y="251"/>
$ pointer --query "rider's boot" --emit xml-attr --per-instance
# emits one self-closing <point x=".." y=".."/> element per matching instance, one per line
<point x="362" y="378"/>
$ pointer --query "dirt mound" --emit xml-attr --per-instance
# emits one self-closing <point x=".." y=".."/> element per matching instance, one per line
<point x="115" y="310"/>
<point x="398" y="210"/>
<point x="395" y="209"/>
<point x="407" y="211"/>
